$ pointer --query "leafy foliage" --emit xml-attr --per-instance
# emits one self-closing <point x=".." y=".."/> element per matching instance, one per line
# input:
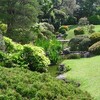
<point x="95" y="19"/>
<point x="27" y="56"/>
<point x="95" y="37"/>
<point x="18" y="14"/>
<point x="51" y="47"/>
<point x="3" y="27"/>
<point x="83" y="21"/>
<point x="95" y="48"/>
<point x="79" y="43"/>
<point x="21" y="84"/>
<point x="35" y="58"/>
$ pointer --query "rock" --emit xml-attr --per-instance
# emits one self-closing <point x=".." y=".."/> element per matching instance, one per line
<point x="61" y="77"/>
<point x="87" y="54"/>
<point x="61" y="67"/>
<point x="66" y="51"/>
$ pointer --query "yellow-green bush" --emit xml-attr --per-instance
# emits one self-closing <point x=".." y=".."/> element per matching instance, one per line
<point x="21" y="55"/>
<point x="95" y="48"/>
<point x="35" y="58"/>
<point x="95" y="37"/>
<point x="21" y="84"/>
<point x="11" y="46"/>
<point x="3" y="27"/>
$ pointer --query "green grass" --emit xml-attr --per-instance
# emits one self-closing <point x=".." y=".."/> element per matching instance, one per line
<point x="87" y="72"/>
<point x="72" y="27"/>
<point x="97" y="28"/>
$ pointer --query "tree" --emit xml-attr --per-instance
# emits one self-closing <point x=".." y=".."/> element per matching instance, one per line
<point x="86" y="8"/>
<point x="69" y="6"/>
<point x="18" y="14"/>
<point x="47" y="6"/>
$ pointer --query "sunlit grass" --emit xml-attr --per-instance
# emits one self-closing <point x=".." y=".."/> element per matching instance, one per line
<point x="87" y="72"/>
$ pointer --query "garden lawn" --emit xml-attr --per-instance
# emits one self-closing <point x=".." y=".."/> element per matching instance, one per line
<point x="72" y="27"/>
<point x="97" y="28"/>
<point x="86" y="71"/>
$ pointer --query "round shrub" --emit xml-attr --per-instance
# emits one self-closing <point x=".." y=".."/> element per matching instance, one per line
<point x="63" y="27"/>
<point x="84" y="44"/>
<point x="21" y="84"/>
<point x="79" y="31"/>
<point x="95" y="19"/>
<point x="74" y="43"/>
<point x="35" y="58"/>
<point x="95" y="37"/>
<point x="95" y="48"/>
<point x="83" y="21"/>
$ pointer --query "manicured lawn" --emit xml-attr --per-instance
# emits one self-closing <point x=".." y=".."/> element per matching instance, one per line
<point x="72" y="27"/>
<point x="86" y="71"/>
<point x="97" y="28"/>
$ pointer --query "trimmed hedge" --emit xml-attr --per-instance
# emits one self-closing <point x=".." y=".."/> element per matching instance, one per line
<point x="79" y="31"/>
<point x="22" y="84"/>
<point x="79" y="43"/>
<point x="95" y="37"/>
<point x="95" y="48"/>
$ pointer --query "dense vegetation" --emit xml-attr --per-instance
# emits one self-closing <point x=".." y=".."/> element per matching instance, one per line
<point x="36" y="35"/>
<point x="19" y="84"/>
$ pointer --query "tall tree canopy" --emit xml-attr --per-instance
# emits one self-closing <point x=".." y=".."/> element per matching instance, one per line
<point x="18" y="13"/>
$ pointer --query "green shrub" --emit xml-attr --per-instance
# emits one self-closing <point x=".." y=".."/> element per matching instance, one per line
<point x="62" y="31"/>
<point x="12" y="46"/>
<point x="29" y="56"/>
<point x="73" y="56"/>
<point x="2" y="43"/>
<point x="47" y="26"/>
<point x="3" y="27"/>
<point x="78" y="42"/>
<point x="94" y="19"/>
<point x="83" y="21"/>
<point x="21" y="84"/>
<point x="84" y="44"/>
<point x="95" y="37"/>
<point x="95" y="48"/>
<point x="63" y="27"/>
<point x="71" y="20"/>
<point x="51" y="47"/>
<point x="35" y="58"/>
<point x="79" y="31"/>
<point x="48" y="34"/>
<point x="15" y="60"/>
